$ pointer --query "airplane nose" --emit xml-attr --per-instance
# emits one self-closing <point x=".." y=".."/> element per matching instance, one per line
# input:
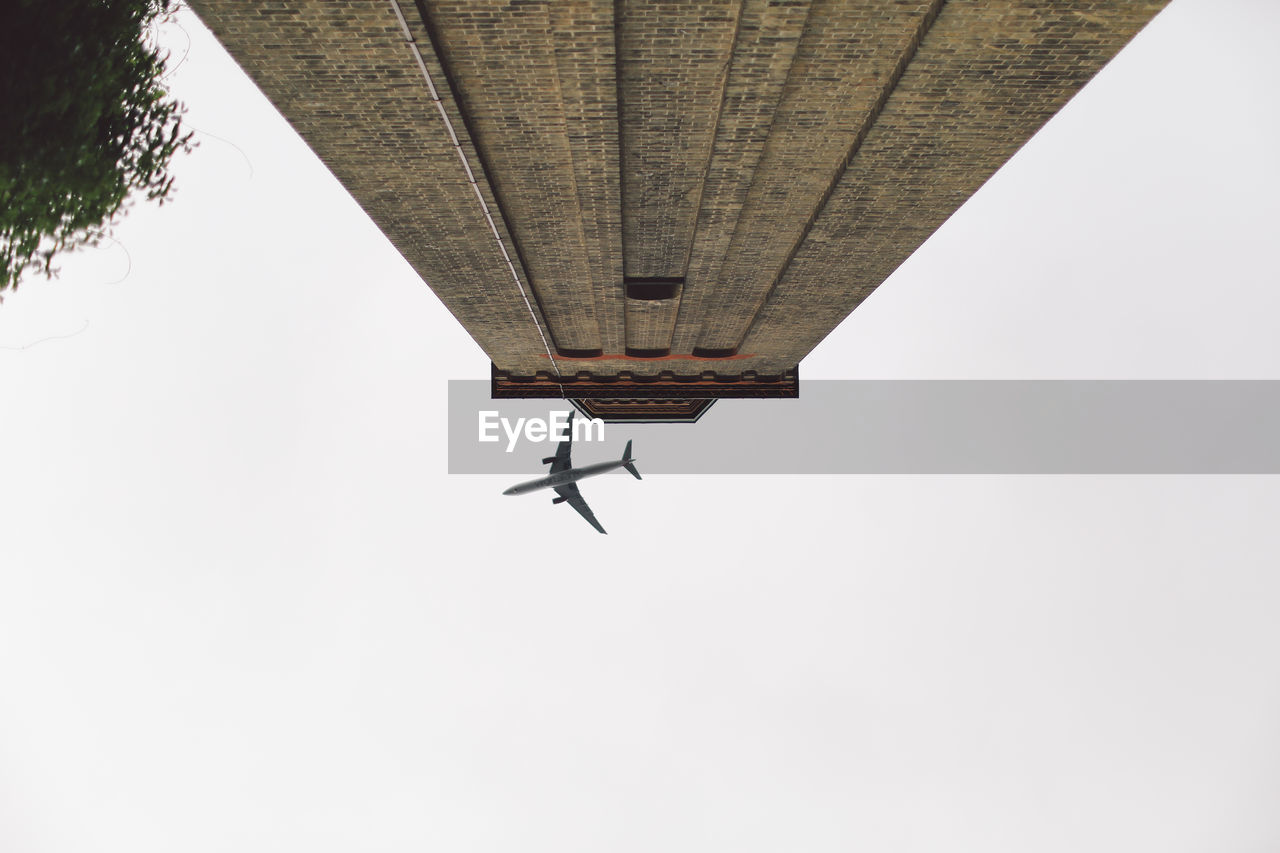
<point x="510" y="491"/>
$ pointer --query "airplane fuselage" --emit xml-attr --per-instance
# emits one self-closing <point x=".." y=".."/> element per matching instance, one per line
<point x="561" y="478"/>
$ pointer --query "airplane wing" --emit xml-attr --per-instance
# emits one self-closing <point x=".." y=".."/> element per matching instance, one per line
<point x="560" y="461"/>
<point x="575" y="499"/>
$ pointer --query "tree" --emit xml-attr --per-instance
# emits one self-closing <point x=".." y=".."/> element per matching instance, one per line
<point x="84" y="122"/>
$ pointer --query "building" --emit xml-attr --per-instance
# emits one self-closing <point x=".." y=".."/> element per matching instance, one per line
<point x="647" y="205"/>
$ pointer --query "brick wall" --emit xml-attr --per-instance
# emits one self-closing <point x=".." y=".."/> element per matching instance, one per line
<point x="778" y="157"/>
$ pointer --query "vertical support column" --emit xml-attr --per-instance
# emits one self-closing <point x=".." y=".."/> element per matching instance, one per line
<point x="672" y="62"/>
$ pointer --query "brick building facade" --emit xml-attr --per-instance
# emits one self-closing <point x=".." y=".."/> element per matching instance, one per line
<point x="664" y="200"/>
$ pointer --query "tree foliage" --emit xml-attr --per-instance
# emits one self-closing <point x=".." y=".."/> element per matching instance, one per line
<point x="84" y="122"/>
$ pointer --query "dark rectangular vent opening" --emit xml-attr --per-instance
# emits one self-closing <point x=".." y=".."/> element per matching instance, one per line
<point x="564" y="352"/>
<point x="651" y="289"/>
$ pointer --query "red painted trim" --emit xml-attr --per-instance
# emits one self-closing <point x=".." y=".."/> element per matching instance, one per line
<point x="625" y="357"/>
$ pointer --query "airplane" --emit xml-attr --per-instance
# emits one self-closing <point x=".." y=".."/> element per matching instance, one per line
<point x="564" y="477"/>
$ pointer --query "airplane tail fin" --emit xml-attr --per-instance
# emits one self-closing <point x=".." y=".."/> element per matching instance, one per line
<point x="626" y="458"/>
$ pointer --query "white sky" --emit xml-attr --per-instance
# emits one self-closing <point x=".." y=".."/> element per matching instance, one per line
<point x="243" y="607"/>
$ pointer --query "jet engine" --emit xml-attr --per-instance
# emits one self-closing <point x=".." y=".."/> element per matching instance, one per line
<point x="548" y="460"/>
<point x="558" y="500"/>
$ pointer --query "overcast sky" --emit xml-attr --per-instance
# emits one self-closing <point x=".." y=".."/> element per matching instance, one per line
<point x="244" y="607"/>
